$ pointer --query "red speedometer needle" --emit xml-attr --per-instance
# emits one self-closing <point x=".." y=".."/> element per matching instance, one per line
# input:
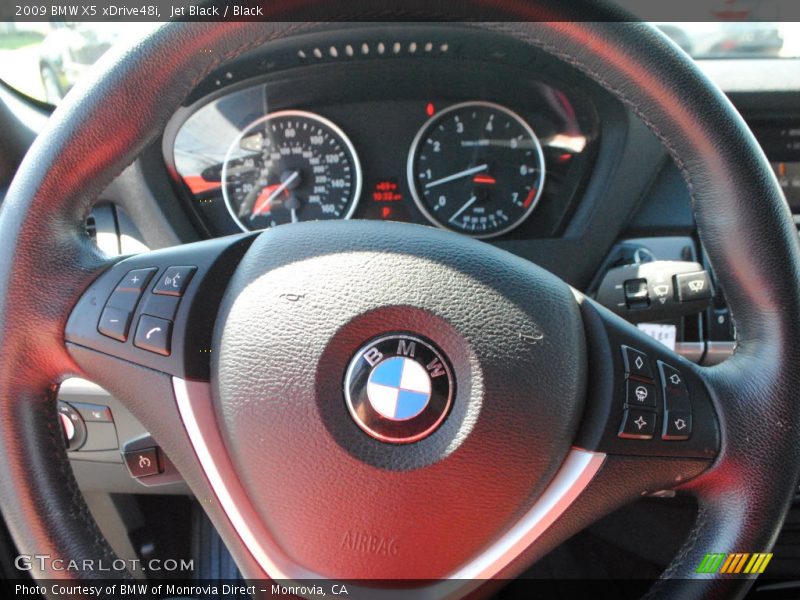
<point x="263" y="203"/>
<point x="268" y="194"/>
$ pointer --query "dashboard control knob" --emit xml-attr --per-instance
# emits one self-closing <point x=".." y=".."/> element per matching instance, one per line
<point x="73" y="426"/>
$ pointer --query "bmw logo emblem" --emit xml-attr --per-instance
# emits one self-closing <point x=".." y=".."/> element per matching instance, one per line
<point x="399" y="388"/>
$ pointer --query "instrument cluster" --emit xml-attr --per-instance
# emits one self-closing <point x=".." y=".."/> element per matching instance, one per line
<point x="480" y="150"/>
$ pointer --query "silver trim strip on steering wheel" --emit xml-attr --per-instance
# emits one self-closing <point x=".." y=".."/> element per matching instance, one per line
<point x="197" y="412"/>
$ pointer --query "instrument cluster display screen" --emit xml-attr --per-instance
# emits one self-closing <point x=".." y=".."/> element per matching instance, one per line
<point x="789" y="177"/>
<point x="781" y="144"/>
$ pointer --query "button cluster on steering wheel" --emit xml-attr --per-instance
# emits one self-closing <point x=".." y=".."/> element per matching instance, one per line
<point x="115" y="321"/>
<point x="154" y="328"/>
<point x="642" y="409"/>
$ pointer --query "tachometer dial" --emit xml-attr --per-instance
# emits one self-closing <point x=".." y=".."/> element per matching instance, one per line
<point x="476" y="168"/>
<point x="290" y="166"/>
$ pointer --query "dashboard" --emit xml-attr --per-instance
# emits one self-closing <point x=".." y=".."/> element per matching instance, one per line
<point x="397" y="127"/>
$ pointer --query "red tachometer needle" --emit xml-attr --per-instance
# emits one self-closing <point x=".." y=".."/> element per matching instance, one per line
<point x="484" y="179"/>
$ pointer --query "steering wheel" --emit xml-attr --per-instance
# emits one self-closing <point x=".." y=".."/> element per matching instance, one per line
<point x="263" y="402"/>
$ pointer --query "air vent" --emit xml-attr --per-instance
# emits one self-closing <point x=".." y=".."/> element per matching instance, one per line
<point x="345" y="51"/>
<point x="91" y="228"/>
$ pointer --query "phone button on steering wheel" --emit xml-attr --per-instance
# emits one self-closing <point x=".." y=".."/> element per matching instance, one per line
<point x="153" y="334"/>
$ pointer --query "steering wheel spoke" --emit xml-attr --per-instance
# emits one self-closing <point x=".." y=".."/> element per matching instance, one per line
<point x="157" y="309"/>
<point x="649" y="426"/>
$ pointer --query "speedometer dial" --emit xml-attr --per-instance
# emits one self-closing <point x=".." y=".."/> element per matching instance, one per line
<point x="476" y="168"/>
<point x="290" y="166"/>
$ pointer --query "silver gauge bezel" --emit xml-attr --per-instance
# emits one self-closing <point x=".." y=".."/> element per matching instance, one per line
<point x="428" y="125"/>
<point x="292" y="113"/>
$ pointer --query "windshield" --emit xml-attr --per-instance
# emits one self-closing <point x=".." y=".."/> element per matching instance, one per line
<point x="735" y="39"/>
<point x="44" y="60"/>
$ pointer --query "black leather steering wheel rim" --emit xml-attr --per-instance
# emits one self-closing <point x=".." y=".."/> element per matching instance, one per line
<point x="742" y="218"/>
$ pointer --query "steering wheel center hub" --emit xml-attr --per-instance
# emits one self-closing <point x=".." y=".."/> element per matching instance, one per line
<point x="393" y="381"/>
